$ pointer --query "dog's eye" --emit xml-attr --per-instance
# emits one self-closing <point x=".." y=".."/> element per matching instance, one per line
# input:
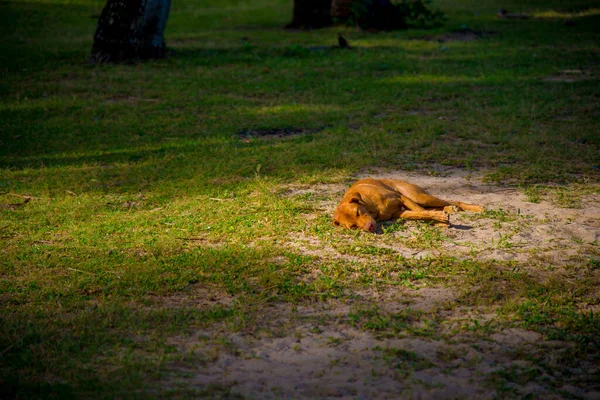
<point x="336" y="223"/>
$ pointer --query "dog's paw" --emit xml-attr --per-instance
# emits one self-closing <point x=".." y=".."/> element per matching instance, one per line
<point x="443" y="217"/>
<point x="451" y="209"/>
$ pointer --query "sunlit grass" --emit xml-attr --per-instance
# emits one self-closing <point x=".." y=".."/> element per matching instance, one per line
<point x="576" y="13"/>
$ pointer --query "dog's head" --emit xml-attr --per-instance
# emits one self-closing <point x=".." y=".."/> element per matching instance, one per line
<point x="351" y="213"/>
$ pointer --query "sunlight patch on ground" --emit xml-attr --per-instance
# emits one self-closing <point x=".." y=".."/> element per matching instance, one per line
<point x="294" y="108"/>
<point x="567" y="14"/>
<point x="428" y="78"/>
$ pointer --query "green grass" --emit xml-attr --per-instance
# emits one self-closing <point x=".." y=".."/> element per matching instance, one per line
<point x="145" y="186"/>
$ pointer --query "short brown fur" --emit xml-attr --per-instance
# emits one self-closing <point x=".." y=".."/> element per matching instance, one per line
<point x="370" y="200"/>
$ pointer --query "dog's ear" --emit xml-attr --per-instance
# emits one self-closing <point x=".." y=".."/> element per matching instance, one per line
<point x="356" y="198"/>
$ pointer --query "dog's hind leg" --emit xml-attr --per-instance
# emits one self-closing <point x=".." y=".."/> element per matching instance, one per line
<point x="465" y="206"/>
<point x="411" y="205"/>
<point x="427" y="215"/>
<point x="416" y="194"/>
<point x="424" y="199"/>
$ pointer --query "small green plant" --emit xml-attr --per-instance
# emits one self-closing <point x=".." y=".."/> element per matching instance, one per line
<point x="396" y="226"/>
<point x="517" y="374"/>
<point x="362" y="249"/>
<point x="448" y="354"/>
<point x="500" y="215"/>
<point x="503" y="242"/>
<point x="477" y="327"/>
<point x="534" y="193"/>
<point x="566" y="198"/>
<point x="404" y="360"/>
<point x="334" y="341"/>
<point x="426" y="236"/>
<point x="374" y="320"/>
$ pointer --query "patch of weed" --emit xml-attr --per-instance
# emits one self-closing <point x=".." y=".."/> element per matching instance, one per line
<point x="382" y="323"/>
<point x="403" y="361"/>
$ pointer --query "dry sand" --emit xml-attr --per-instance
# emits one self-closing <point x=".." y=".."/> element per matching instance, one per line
<point x="312" y="351"/>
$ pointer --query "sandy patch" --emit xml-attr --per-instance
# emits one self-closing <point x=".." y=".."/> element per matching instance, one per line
<point x="512" y="229"/>
<point x="572" y="75"/>
<point x="318" y="350"/>
<point x="461" y="35"/>
<point x="332" y="359"/>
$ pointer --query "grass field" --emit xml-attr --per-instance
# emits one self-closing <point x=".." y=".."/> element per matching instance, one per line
<point x="179" y="210"/>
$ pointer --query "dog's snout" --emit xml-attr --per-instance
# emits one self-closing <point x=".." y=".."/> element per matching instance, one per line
<point x="371" y="226"/>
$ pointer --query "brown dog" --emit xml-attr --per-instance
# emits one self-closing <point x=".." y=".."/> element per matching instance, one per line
<point x="370" y="200"/>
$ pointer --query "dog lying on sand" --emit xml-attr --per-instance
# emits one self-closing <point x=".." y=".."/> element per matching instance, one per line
<point x="370" y="200"/>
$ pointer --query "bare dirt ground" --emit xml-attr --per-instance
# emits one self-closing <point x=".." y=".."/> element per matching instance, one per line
<point x="315" y="351"/>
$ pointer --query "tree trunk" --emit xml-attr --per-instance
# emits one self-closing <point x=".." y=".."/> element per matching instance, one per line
<point x="131" y="29"/>
<point x="311" y="14"/>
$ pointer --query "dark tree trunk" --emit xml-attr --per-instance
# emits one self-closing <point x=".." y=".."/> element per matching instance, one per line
<point x="131" y="29"/>
<point x="311" y="14"/>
